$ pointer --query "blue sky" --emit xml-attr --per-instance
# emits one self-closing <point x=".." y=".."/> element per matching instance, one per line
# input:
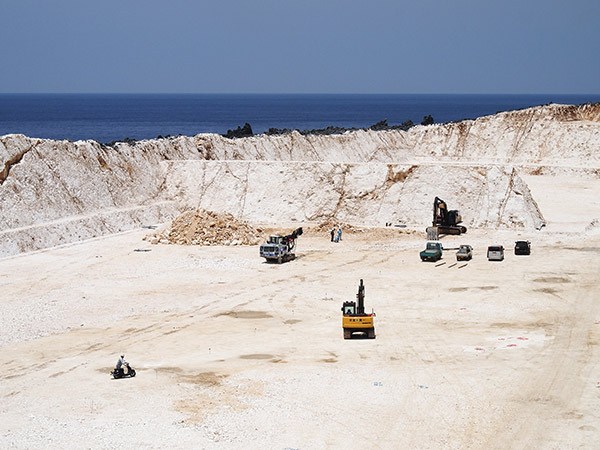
<point x="281" y="46"/>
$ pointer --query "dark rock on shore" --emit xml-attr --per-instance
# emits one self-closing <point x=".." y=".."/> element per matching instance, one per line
<point x="427" y="120"/>
<point x="382" y="125"/>
<point x="240" y="132"/>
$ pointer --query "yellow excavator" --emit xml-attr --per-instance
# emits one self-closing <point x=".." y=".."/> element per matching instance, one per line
<point x="354" y="319"/>
<point x="446" y="221"/>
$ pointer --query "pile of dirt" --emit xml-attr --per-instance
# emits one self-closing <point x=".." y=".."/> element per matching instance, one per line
<point x="201" y="227"/>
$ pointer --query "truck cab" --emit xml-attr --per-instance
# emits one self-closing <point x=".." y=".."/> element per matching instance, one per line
<point x="432" y="252"/>
<point x="275" y="239"/>
<point x="275" y="249"/>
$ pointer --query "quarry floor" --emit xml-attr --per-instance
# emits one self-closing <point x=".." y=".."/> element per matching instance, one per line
<point x="235" y="353"/>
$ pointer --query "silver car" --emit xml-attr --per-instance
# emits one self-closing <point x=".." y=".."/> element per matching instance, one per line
<point x="495" y="253"/>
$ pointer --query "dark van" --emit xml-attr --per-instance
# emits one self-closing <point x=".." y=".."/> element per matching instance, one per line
<point x="522" y="248"/>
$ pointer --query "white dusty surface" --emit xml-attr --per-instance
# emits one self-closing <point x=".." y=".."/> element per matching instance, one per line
<point x="234" y="353"/>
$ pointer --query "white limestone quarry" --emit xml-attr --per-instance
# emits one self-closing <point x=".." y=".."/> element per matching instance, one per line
<point x="234" y="353"/>
<point x="364" y="193"/>
<point x="56" y="192"/>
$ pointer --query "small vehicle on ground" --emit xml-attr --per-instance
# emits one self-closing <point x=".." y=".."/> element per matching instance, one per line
<point x="354" y="319"/>
<point x="122" y="373"/>
<point x="279" y="248"/>
<point x="464" y="253"/>
<point x="432" y="252"/>
<point x="446" y="221"/>
<point x="522" y="248"/>
<point x="495" y="253"/>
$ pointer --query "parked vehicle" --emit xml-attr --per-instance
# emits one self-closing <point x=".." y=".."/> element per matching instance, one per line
<point x="495" y="253"/>
<point x="464" y="253"/>
<point x="446" y="221"/>
<point x="432" y="252"/>
<point x="522" y="248"/>
<point x="355" y="320"/>
<point x="279" y="248"/>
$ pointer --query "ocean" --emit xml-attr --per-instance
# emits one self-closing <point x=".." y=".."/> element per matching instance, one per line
<point x="114" y="117"/>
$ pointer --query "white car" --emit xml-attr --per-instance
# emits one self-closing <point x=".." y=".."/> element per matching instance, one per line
<point x="495" y="253"/>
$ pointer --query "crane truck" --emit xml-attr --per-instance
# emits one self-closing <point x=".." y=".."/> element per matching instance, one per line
<point x="280" y="248"/>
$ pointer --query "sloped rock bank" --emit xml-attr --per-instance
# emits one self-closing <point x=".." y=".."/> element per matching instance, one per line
<point x="365" y="194"/>
<point x="55" y="192"/>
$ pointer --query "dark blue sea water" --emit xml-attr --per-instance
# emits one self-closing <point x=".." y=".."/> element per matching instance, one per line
<point x="115" y="117"/>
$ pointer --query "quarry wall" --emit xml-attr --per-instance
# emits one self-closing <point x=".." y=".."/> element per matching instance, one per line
<point x="55" y="192"/>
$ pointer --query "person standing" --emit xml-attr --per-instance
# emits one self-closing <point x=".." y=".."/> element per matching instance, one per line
<point x="332" y="233"/>
<point x="339" y="234"/>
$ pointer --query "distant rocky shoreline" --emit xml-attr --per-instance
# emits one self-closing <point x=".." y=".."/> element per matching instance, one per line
<point x="382" y="125"/>
<point x="246" y="131"/>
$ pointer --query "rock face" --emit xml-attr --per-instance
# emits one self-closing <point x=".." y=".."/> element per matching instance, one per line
<point x="367" y="193"/>
<point x="55" y="192"/>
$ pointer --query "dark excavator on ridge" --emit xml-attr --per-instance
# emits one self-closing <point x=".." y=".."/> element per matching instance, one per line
<point x="446" y="221"/>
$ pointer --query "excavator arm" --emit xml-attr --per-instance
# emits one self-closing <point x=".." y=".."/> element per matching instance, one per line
<point x="440" y="212"/>
<point x="290" y="239"/>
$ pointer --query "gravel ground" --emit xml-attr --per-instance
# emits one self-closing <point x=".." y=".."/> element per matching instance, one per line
<point x="235" y="353"/>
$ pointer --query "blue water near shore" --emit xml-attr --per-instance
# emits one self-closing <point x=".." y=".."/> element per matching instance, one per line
<point x="106" y="118"/>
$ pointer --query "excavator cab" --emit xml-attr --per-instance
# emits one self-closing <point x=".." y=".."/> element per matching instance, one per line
<point x="349" y="308"/>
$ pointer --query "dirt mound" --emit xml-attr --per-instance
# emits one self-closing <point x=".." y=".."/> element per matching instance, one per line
<point x="201" y="227"/>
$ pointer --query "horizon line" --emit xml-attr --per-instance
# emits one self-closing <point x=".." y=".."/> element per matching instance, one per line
<point x="292" y="93"/>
